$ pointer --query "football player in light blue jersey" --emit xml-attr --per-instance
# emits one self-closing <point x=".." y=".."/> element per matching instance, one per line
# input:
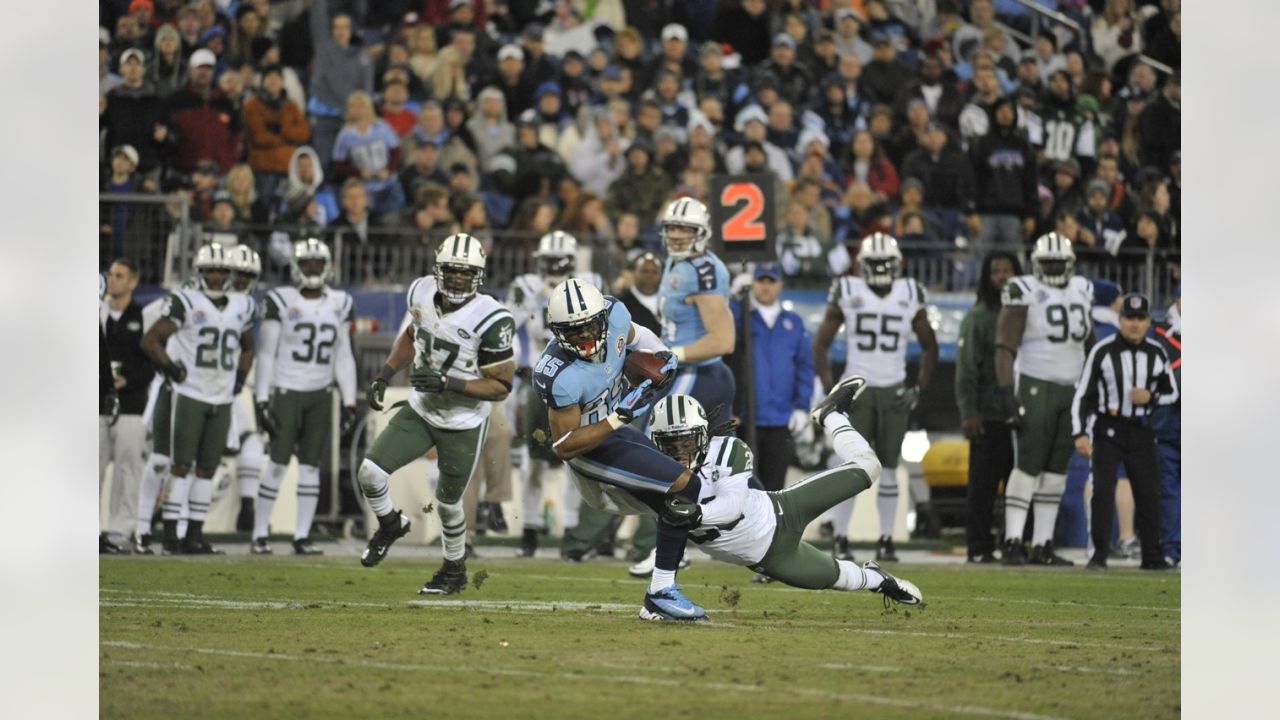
<point x="694" y="305"/>
<point x="590" y="409"/>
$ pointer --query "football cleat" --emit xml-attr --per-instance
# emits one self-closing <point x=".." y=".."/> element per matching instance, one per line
<point x="1129" y="549"/>
<point x="826" y="530"/>
<point x="1161" y="564"/>
<point x="1044" y="555"/>
<point x="106" y="547"/>
<point x="450" y="579"/>
<point x="303" y="546"/>
<point x="383" y="537"/>
<point x="761" y="578"/>
<point x="840" y="548"/>
<point x="895" y="589"/>
<point x="497" y="522"/>
<point x="198" y="546"/>
<point x="572" y="556"/>
<point x="260" y="546"/>
<point x="528" y="543"/>
<point x="1013" y="553"/>
<point x="885" y="551"/>
<point x="840" y="399"/>
<point x="1096" y="563"/>
<point x="671" y="604"/>
<point x="142" y="545"/>
<point x="244" y="519"/>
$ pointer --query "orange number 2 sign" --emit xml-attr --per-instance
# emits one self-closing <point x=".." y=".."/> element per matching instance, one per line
<point x="745" y="225"/>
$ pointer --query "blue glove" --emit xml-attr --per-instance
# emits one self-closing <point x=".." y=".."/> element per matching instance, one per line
<point x="637" y="402"/>
<point x="668" y="370"/>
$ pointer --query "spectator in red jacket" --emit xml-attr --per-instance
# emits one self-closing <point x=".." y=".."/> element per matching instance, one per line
<point x="206" y="122"/>
<point x="867" y="163"/>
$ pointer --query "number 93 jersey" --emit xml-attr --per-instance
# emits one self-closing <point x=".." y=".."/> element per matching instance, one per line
<point x="459" y="344"/>
<point x="877" y="328"/>
<point x="208" y="342"/>
<point x="681" y="321"/>
<point x="562" y="379"/>
<point x="309" y="331"/>
<point x="1058" y="323"/>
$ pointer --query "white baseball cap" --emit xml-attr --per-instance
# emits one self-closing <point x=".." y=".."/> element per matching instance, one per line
<point x="510" y="51"/>
<point x="127" y="151"/>
<point x="133" y="53"/>
<point x="675" y="31"/>
<point x="203" y="56"/>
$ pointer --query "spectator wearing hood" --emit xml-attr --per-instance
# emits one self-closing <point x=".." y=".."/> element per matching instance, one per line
<point x="275" y="128"/>
<point x="745" y="27"/>
<point x="568" y="32"/>
<point x="167" y="70"/>
<point x="794" y="79"/>
<point x="340" y="67"/>
<point x="943" y="101"/>
<point x="135" y="115"/>
<point x="204" y="119"/>
<point x="641" y="188"/>
<point x="752" y="123"/>
<point x="601" y="156"/>
<point x="367" y="148"/>
<point x="1005" y="194"/>
<point x="1101" y="230"/>
<point x="556" y="128"/>
<point x="489" y="126"/>
<point x="305" y="185"/>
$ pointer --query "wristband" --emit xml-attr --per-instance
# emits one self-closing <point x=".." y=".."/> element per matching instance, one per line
<point x="454" y="384"/>
<point x="386" y="373"/>
<point x="678" y="352"/>
<point x="614" y="421"/>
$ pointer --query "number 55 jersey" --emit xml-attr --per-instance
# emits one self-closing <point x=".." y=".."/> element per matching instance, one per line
<point x="208" y="342"/>
<point x="877" y="328"/>
<point x="1058" y="323"/>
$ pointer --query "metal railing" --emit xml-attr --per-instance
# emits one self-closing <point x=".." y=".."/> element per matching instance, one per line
<point x="155" y="231"/>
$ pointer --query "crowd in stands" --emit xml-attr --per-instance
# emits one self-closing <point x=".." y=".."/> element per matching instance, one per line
<point x="929" y="119"/>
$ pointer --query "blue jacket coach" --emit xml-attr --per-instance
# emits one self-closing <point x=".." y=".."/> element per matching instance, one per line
<point x="783" y="366"/>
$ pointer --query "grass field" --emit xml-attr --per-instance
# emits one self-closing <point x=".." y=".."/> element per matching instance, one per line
<point x="282" y="637"/>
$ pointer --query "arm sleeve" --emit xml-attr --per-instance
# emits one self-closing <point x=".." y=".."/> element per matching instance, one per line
<point x="175" y="309"/>
<point x="966" y="369"/>
<point x="345" y="360"/>
<point x="1082" y="405"/>
<point x="731" y="491"/>
<point x="495" y="342"/>
<point x="804" y="372"/>
<point x="645" y="339"/>
<point x="319" y="22"/>
<point x="268" y="342"/>
<point x="1014" y="294"/>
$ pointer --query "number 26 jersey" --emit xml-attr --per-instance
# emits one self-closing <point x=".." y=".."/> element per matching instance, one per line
<point x="1058" y="323"/>
<point x="877" y="328"/>
<point x="208" y="342"/>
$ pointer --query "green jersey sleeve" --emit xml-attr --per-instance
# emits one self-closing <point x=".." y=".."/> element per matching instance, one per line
<point x="175" y="308"/>
<point x="1015" y="293"/>
<point x="272" y="307"/>
<point x="496" y="340"/>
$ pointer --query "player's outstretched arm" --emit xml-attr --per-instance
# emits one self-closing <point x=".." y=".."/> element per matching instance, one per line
<point x="717" y="318"/>
<point x="831" y="322"/>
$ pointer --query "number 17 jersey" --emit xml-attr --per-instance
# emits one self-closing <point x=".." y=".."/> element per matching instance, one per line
<point x="877" y="328"/>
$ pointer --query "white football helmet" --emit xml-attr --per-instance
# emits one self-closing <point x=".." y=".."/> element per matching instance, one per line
<point x="686" y="213"/>
<point x="578" y="318"/>
<point x="310" y="249"/>
<point x="460" y="267"/>
<point x="879" y="259"/>
<point x="248" y="269"/>
<point x="557" y="256"/>
<point x="679" y="429"/>
<point x="1053" y="261"/>
<point x="212" y="257"/>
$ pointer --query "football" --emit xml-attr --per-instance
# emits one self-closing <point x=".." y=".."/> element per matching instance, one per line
<point x="643" y="365"/>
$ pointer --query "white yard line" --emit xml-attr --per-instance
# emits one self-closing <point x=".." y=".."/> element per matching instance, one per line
<point x="1058" y="603"/>
<point x="148" y="665"/>
<point x="632" y="679"/>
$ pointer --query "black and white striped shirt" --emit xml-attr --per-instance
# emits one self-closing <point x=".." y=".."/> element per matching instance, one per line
<point x="1114" y="367"/>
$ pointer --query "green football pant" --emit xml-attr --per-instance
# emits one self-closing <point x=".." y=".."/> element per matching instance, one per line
<point x="792" y="560"/>
<point x="190" y="431"/>
<point x="1044" y="444"/>
<point x="877" y="418"/>
<point x="303" y="421"/>
<point x="408" y="437"/>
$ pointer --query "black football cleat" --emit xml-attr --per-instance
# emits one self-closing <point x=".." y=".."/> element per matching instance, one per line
<point x="303" y="546"/>
<point x="885" y="552"/>
<point x="198" y="546"/>
<point x="895" y="589"/>
<point x="1013" y="553"/>
<point x="497" y="522"/>
<point x="142" y="545"/>
<point x="840" y="399"/>
<point x="244" y="519"/>
<point x="1160" y="564"/>
<point x="396" y="526"/>
<point x="528" y="543"/>
<point x="1044" y="555"/>
<point x="260" y="546"/>
<point x="450" y="579"/>
<point x="840" y="548"/>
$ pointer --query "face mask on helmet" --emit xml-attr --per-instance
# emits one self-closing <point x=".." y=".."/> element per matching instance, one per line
<point x="245" y="281"/>
<point x="879" y="272"/>
<point x="682" y="240"/>
<point x="310" y="272"/>
<point x="458" y="282"/>
<point x="215" y="281"/>
<point x="1053" y="271"/>
<point x="584" y="338"/>
<point x="685" y="446"/>
<point x="556" y="267"/>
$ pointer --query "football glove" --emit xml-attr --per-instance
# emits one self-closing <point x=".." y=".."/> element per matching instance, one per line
<point x="1012" y="409"/>
<point x="348" y="420"/>
<point x="425" y="378"/>
<point x="680" y="513"/>
<point x="637" y="402"/>
<point x="266" y="421"/>
<point x="177" y="371"/>
<point x="669" y="369"/>
<point x="908" y="398"/>
<point x="377" y="392"/>
<point x="241" y="376"/>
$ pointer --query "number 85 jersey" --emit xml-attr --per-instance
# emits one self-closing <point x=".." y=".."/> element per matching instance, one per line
<point x="1057" y="326"/>
<point x="877" y="328"/>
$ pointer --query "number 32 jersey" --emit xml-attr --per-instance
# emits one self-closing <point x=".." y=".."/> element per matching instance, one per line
<point x="313" y="342"/>
<point x="208" y="342"/>
<point x="459" y="344"/>
<point x="877" y="328"/>
<point x="1058" y="323"/>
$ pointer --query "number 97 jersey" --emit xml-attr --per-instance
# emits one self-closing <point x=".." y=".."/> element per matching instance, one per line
<point x="877" y="328"/>
<point x="1057" y="326"/>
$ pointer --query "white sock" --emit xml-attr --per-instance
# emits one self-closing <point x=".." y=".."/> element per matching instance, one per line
<point x="268" y="491"/>
<point x="531" y="495"/>
<point x="176" y="493"/>
<point x="1045" y="503"/>
<point x="840" y="515"/>
<point x="853" y="577"/>
<point x="308" y="497"/>
<point x="850" y="446"/>
<point x="373" y="483"/>
<point x="1017" y="501"/>
<point x="249" y="465"/>
<point x="154" y="474"/>
<point x="887" y="500"/>
<point x="201" y="494"/>
<point x="661" y="579"/>
<point x="453" y="529"/>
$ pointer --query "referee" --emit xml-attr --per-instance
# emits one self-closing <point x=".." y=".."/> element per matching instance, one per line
<point x="1125" y="377"/>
